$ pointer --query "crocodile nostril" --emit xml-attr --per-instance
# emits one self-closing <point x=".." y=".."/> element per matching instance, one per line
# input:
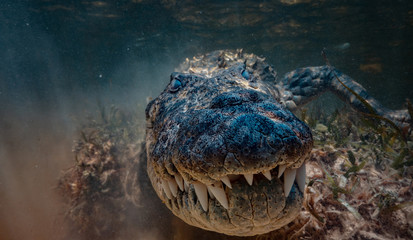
<point x="254" y="97"/>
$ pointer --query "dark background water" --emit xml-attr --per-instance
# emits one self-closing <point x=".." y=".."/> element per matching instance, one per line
<point x="59" y="58"/>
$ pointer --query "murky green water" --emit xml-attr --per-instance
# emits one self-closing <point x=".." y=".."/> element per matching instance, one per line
<point x="58" y="58"/>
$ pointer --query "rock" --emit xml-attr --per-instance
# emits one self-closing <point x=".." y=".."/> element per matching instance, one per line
<point x="321" y="128"/>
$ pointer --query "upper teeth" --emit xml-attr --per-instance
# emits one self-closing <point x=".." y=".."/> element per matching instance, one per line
<point x="249" y="177"/>
<point x="281" y="169"/>
<point x="166" y="188"/>
<point x="289" y="177"/>
<point x="180" y="181"/>
<point x="226" y="181"/>
<point x="201" y="192"/>
<point x="267" y="174"/>
<point x="173" y="186"/>
<point x="217" y="191"/>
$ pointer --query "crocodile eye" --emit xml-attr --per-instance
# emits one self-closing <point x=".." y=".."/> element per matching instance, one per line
<point x="245" y="74"/>
<point x="175" y="85"/>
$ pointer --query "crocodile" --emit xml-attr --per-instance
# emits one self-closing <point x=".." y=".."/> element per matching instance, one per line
<point x="224" y="151"/>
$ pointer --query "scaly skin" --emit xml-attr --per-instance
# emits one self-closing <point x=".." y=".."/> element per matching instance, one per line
<point x="210" y="128"/>
<point x="225" y="116"/>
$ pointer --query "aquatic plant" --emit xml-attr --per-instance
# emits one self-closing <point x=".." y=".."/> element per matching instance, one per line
<point x="95" y="188"/>
<point x="310" y="119"/>
<point x="354" y="167"/>
<point x="365" y="143"/>
<point x="389" y="131"/>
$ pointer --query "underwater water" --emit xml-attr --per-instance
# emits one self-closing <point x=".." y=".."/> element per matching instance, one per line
<point x="60" y="60"/>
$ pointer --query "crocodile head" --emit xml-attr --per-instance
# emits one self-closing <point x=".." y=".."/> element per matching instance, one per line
<point x="223" y="154"/>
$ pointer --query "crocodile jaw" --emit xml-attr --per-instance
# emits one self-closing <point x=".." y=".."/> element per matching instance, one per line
<point x="236" y="205"/>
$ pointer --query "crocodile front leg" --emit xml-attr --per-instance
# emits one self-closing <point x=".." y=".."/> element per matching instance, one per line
<point x="302" y="85"/>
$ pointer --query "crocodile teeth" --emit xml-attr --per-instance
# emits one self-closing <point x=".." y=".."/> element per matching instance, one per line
<point x="220" y="195"/>
<point x="211" y="195"/>
<point x="173" y="186"/>
<point x="281" y="169"/>
<point x="202" y="194"/>
<point x="267" y="174"/>
<point x="186" y="186"/>
<point x="180" y="181"/>
<point x="226" y="181"/>
<point x="249" y="177"/>
<point x="289" y="176"/>
<point x="166" y="188"/>
<point x="300" y="177"/>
